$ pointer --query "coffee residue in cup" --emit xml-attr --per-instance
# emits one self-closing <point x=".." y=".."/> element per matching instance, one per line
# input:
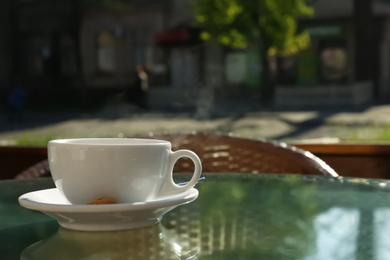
<point x="103" y="201"/>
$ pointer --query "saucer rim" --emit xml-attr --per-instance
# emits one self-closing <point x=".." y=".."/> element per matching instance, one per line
<point x="25" y="202"/>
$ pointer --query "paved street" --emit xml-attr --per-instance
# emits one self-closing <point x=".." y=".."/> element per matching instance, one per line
<point x="370" y="124"/>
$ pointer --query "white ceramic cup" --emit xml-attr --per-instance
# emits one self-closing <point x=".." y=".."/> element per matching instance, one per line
<point x="124" y="169"/>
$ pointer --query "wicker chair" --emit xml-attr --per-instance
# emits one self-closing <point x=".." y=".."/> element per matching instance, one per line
<point x="40" y="169"/>
<point x="223" y="153"/>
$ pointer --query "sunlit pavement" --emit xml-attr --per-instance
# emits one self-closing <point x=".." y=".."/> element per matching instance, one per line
<point x="369" y="125"/>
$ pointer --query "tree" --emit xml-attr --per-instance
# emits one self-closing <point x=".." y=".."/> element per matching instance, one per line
<point x="269" y="24"/>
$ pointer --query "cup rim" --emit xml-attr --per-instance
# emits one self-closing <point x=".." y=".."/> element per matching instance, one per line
<point x="109" y="141"/>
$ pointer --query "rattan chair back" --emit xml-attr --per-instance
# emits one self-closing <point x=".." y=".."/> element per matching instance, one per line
<point x="223" y="153"/>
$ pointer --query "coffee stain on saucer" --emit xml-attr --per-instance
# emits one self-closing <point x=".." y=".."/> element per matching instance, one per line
<point x="102" y="201"/>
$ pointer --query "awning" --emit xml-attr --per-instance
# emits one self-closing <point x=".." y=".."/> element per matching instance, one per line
<point x="179" y="36"/>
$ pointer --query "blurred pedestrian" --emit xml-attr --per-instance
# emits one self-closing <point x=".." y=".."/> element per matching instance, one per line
<point x="138" y="92"/>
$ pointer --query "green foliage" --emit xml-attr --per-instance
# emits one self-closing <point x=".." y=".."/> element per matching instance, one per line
<point x="369" y="134"/>
<point x="237" y="23"/>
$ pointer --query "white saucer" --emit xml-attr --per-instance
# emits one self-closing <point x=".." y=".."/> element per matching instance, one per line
<point x="107" y="217"/>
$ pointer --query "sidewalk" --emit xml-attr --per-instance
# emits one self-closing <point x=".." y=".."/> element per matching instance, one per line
<point x="371" y="124"/>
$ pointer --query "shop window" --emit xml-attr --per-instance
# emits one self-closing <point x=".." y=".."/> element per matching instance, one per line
<point x="106" y="52"/>
<point x="160" y="74"/>
<point x="41" y="58"/>
<point x="244" y="68"/>
<point x="142" y="47"/>
<point x="235" y="67"/>
<point x="334" y="67"/>
<point x="156" y="60"/>
<point x="307" y="67"/>
<point x="184" y="66"/>
<point x="325" y="61"/>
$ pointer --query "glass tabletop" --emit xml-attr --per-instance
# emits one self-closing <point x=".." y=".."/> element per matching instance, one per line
<point x="236" y="216"/>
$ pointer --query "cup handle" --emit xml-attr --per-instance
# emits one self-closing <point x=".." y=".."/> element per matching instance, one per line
<point x="170" y="187"/>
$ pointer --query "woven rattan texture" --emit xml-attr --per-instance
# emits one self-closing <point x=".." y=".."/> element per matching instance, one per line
<point x="223" y="153"/>
<point x="40" y="169"/>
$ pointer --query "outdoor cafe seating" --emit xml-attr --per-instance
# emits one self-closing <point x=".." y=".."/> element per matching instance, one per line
<point x="261" y="199"/>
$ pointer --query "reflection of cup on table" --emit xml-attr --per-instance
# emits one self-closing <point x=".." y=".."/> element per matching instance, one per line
<point x="153" y="242"/>
<point x="123" y="169"/>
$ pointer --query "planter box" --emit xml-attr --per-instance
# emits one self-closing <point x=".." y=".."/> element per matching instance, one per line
<point x="367" y="161"/>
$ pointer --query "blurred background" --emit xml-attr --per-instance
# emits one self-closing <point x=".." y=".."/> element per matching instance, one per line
<point x="294" y="70"/>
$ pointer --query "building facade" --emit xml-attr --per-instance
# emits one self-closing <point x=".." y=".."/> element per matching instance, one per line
<point x="87" y="51"/>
